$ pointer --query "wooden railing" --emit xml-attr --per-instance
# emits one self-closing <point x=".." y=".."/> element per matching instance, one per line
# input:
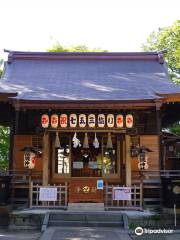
<point x="148" y="175"/>
<point x="61" y="201"/>
<point x="20" y="184"/>
<point x="134" y="203"/>
<point x="152" y="186"/>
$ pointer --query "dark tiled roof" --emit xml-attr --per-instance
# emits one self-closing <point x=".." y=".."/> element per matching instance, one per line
<point x="86" y="76"/>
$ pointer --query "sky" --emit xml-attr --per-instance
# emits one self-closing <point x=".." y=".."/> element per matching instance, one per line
<point x="114" y="25"/>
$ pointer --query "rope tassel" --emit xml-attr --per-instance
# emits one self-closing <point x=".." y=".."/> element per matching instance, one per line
<point x="57" y="141"/>
<point x="96" y="142"/>
<point x="109" y="141"/>
<point x="85" y="143"/>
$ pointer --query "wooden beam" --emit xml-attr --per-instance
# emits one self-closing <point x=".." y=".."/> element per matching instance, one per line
<point x="128" y="161"/>
<point x="45" y="158"/>
<point x="83" y="105"/>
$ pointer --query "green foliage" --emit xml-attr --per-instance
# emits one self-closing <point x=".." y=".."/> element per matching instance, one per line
<point x="4" y="139"/>
<point x="133" y="226"/>
<point x="167" y="39"/>
<point x="1" y="71"/>
<point x="4" y="147"/>
<point x="57" y="47"/>
<point x="175" y="128"/>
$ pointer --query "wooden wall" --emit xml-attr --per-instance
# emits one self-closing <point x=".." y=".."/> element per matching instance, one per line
<point x="20" y="141"/>
<point x="151" y="142"/>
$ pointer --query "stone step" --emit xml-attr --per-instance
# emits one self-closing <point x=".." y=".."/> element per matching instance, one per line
<point x="86" y="207"/>
<point x="55" y="223"/>
<point x="86" y="216"/>
<point x="86" y="219"/>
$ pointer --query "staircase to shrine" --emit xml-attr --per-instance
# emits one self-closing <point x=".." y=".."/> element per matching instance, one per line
<point x="86" y="219"/>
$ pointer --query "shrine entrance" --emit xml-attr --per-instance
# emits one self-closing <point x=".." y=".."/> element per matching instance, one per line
<point x="94" y="156"/>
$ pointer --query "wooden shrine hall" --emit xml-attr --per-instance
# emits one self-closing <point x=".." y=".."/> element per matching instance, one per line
<point x="86" y="127"/>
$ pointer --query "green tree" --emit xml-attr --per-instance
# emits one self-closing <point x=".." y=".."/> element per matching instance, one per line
<point x="167" y="40"/>
<point x="1" y="64"/>
<point x="4" y="147"/>
<point x="57" y="47"/>
<point x="4" y="139"/>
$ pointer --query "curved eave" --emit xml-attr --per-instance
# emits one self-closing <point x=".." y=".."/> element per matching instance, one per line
<point x="173" y="97"/>
<point x="7" y="96"/>
<point x="86" y="104"/>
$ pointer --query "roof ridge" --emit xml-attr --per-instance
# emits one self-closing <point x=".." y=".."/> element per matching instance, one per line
<point x="23" y="55"/>
<point x="79" y="53"/>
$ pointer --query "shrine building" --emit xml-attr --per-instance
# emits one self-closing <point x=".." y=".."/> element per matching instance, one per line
<point x="87" y="126"/>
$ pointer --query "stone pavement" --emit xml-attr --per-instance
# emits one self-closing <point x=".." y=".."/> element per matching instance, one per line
<point x="157" y="237"/>
<point x="88" y="233"/>
<point x="84" y="233"/>
<point x="19" y="235"/>
<point x="81" y="233"/>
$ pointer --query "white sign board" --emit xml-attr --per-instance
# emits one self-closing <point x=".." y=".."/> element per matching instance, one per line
<point x="121" y="193"/>
<point x="93" y="165"/>
<point x="78" y="165"/>
<point x="48" y="194"/>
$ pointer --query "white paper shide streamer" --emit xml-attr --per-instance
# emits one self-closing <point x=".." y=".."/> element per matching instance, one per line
<point x="76" y="141"/>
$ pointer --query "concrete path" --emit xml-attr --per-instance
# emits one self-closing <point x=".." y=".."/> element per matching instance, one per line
<point x="173" y="236"/>
<point x="84" y="233"/>
<point x="19" y="235"/>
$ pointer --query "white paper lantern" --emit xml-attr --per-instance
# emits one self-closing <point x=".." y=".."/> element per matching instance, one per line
<point x="73" y="120"/>
<point x="82" y="120"/>
<point x="29" y="159"/>
<point x="129" y="120"/>
<point x="119" y="120"/>
<point x="101" y="120"/>
<point x="63" y="120"/>
<point x="110" y="120"/>
<point x="54" y="121"/>
<point x="91" y="120"/>
<point x="45" y="121"/>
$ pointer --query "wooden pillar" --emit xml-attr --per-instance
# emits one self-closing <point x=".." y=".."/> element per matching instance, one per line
<point x="128" y="161"/>
<point x="45" y="159"/>
<point x="159" y="127"/>
<point x="11" y="147"/>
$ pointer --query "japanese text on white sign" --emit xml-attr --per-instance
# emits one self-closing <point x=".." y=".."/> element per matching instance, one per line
<point x="48" y="194"/>
<point x="121" y="193"/>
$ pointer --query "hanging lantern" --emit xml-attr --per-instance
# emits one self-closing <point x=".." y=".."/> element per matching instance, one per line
<point x="129" y="120"/>
<point x="76" y="141"/>
<point x="57" y="141"/>
<point x="29" y="157"/>
<point x="96" y="142"/>
<point x="63" y="120"/>
<point x="82" y="120"/>
<point x="54" y="121"/>
<point x="109" y="142"/>
<point x="101" y="120"/>
<point x="85" y="143"/>
<point x="119" y="121"/>
<point x="91" y="120"/>
<point x="45" y="121"/>
<point x="73" y="120"/>
<point x="110" y="120"/>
